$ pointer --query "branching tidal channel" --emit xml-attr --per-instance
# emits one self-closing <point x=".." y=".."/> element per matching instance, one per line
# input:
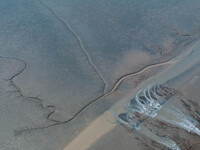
<point x="52" y="108"/>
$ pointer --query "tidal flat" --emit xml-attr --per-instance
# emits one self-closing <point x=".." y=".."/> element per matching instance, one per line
<point x="69" y="68"/>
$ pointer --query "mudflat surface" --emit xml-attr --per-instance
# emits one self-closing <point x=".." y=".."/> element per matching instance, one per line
<point x="64" y="63"/>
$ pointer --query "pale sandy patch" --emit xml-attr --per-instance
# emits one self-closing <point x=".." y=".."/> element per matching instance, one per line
<point x="92" y="133"/>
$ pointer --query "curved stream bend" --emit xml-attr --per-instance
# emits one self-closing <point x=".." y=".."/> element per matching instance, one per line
<point x="115" y="87"/>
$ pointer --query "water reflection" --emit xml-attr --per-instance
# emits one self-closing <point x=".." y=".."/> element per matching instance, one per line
<point x="148" y="103"/>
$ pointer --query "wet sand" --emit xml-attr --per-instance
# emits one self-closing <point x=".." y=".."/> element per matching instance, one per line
<point x="93" y="132"/>
<point x="65" y="65"/>
<point x="182" y="78"/>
